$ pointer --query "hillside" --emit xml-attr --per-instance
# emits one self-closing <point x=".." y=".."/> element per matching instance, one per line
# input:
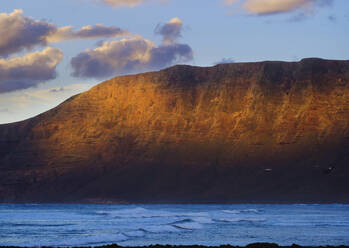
<point x="241" y="132"/>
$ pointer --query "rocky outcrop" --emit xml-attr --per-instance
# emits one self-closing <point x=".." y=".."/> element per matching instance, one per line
<point x="242" y="132"/>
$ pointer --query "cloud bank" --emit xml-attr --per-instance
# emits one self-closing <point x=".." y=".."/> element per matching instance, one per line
<point x="270" y="7"/>
<point x="134" y="54"/>
<point x="130" y="54"/>
<point x="29" y="70"/>
<point x="86" y="32"/>
<point x="18" y="32"/>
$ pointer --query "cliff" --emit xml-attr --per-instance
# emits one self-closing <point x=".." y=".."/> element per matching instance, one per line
<point x="242" y="132"/>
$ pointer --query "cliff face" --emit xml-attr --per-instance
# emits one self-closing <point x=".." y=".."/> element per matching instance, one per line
<point x="243" y="132"/>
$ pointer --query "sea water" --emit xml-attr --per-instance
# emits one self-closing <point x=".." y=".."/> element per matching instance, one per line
<point x="137" y="225"/>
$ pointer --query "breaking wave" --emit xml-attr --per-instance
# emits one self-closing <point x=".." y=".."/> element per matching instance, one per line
<point x="241" y="211"/>
<point x="140" y="212"/>
<point x="158" y="229"/>
<point x="240" y="220"/>
<point x="132" y="225"/>
<point x="188" y="225"/>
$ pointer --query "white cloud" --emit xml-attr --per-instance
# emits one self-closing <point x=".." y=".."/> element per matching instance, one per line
<point x="133" y="54"/>
<point x="170" y="31"/>
<point x="19" y="32"/>
<point x="113" y="57"/>
<point x="127" y="56"/>
<point x="86" y="32"/>
<point x="268" y="7"/>
<point x="29" y="70"/>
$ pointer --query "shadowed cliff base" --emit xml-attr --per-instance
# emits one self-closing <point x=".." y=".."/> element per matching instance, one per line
<point x="261" y="132"/>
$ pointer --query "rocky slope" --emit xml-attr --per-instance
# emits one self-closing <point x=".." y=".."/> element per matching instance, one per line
<point x="242" y="132"/>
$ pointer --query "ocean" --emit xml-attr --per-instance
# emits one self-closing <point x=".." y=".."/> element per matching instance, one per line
<point x="137" y="225"/>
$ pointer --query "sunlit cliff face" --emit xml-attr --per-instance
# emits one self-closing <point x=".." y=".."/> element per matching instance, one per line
<point x="198" y="107"/>
<point x="235" y="119"/>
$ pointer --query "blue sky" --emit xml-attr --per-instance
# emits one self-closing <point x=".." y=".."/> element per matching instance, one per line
<point x="197" y="32"/>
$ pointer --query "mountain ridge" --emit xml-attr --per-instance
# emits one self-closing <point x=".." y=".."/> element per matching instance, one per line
<point x="242" y="132"/>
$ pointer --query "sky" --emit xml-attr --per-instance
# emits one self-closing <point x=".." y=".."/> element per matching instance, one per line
<point x="52" y="50"/>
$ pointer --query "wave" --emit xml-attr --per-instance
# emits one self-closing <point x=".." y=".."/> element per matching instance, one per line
<point x="252" y="210"/>
<point x="95" y="225"/>
<point x="240" y="220"/>
<point x="188" y="225"/>
<point x="134" y="234"/>
<point x="231" y="211"/>
<point x="158" y="229"/>
<point x="102" y="212"/>
<point x="181" y="221"/>
<point x="140" y="212"/>
<point x="34" y="225"/>
<point x="202" y="220"/>
<point x="192" y="223"/>
<point x="123" y="212"/>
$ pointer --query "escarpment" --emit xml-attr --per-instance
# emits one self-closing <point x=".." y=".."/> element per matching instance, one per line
<point x="241" y="132"/>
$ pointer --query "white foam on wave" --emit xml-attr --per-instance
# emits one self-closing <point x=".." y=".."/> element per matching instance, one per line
<point x="231" y="211"/>
<point x="198" y="214"/>
<point x="202" y="220"/>
<point x="240" y="220"/>
<point x="192" y="223"/>
<point x="251" y="210"/>
<point x="102" y="212"/>
<point x="135" y="233"/>
<point x="122" y="212"/>
<point x="140" y="212"/>
<point x="159" y="229"/>
<point x="36" y="224"/>
<point x="188" y="225"/>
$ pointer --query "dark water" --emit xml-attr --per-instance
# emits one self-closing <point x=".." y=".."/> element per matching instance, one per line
<point x="79" y="225"/>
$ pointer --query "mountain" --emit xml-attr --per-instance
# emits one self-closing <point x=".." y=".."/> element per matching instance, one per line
<point x="244" y="132"/>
